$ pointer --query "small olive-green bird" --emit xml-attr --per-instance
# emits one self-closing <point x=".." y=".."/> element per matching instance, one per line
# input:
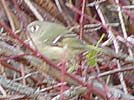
<point x="54" y="40"/>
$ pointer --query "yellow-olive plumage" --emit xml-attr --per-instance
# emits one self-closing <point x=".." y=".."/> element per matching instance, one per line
<point x="54" y="40"/>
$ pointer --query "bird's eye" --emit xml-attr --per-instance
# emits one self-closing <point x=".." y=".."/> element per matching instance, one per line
<point x="34" y="28"/>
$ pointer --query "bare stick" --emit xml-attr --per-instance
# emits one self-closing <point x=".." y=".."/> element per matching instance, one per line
<point x="34" y="10"/>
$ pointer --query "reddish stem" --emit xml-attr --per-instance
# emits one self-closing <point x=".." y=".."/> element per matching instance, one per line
<point x="63" y="70"/>
<point x="82" y="19"/>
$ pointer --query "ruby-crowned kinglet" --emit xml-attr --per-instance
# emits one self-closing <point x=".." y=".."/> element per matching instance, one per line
<point x="45" y="34"/>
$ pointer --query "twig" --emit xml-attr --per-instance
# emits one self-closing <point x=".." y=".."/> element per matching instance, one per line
<point x="82" y="19"/>
<point x="121" y="77"/>
<point x="58" y="6"/>
<point x="34" y="10"/>
<point x="123" y="25"/>
<point x="8" y="14"/>
<point x="95" y="3"/>
<point x="72" y="92"/>
<point x="24" y="77"/>
<point x="3" y="91"/>
<point x="126" y="68"/>
<point x="51" y="87"/>
<point x="23" y="74"/>
<point x="124" y="7"/>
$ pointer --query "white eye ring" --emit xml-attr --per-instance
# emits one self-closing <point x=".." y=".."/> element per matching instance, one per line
<point x="34" y="28"/>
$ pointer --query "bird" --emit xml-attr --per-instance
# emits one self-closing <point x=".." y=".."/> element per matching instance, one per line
<point x="54" y="40"/>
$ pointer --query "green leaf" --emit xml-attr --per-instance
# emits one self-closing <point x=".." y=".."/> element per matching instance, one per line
<point x="91" y="57"/>
<point x="93" y="52"/>
<point x="102" y="36"/>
